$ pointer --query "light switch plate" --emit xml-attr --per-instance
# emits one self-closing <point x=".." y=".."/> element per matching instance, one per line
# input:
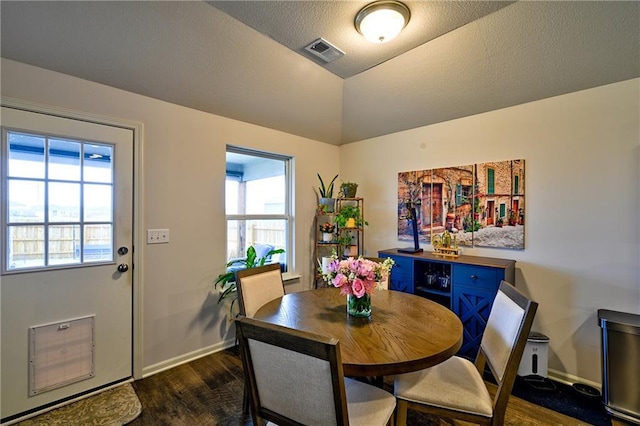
<point x="157" y="236"/>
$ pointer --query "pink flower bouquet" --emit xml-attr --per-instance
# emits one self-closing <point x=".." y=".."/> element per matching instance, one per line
<point x="357" y="276"/>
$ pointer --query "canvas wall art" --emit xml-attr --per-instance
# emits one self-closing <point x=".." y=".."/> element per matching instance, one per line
<point x="481" y="204"/>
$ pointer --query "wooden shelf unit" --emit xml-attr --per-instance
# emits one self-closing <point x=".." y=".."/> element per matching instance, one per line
<point x="325" y="249"/>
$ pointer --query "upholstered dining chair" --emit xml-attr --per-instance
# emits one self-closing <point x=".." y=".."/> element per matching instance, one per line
<point x="455" y="389"/>
<point x="256" y="287"/>
<point x="296" y="378"/>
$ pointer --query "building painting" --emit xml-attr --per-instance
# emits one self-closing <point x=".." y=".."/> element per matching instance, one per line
<point x="482" y="204"/>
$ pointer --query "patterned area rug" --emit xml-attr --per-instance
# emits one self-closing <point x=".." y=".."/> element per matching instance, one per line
<point x="113" y="407"/>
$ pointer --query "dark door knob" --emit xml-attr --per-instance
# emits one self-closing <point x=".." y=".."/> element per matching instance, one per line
<point x="123" y="250"/>
<point x="123" y="267"/>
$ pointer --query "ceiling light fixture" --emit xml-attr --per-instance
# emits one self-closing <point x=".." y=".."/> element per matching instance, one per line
<point x="382" y="21"/>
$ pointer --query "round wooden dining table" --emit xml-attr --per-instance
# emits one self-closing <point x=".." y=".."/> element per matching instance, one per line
<point x="404" y="333"/>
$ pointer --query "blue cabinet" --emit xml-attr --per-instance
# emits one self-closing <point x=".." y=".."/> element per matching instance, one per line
<point x="472" y="305"/>
<point x="467" y="285"/>
<point x="402" y="274"/>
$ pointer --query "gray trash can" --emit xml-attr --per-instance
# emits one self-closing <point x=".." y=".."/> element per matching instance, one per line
<point x="620" y="364"/>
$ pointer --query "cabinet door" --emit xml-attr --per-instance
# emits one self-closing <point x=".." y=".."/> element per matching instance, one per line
<point x="401" y="274"/>
<point x="401" y="282"/>
<point x="472" y="305"/>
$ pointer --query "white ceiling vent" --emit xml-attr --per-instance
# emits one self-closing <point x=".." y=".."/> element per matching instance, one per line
<point x="324" y="50"/>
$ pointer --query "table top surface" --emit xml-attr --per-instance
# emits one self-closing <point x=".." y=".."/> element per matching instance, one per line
<point x="404" y="333"/>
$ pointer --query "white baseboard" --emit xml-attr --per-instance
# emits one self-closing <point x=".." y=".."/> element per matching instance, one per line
<point x="183" y="359"/>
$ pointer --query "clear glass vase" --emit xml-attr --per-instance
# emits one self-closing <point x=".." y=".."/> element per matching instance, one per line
<point x="359" y="306"/>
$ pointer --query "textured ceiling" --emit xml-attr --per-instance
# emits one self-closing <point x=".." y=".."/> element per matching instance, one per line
<point x="454" y="59"/>
<point x="295" y="24"/>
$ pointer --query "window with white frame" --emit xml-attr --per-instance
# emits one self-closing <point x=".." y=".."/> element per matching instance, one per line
<point x="258" y="204"/>
<point x="58" y="204"/>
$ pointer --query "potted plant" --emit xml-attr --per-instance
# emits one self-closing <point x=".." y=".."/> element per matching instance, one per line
<point x="477" y="208"/>
<point x="326" y="194"/>
<point x="350" y="216"/>
<point x="348" y="189"/>
<point x="345" y="244"/>
<point x="327" y="230"/>
<point x="227" y="281"/>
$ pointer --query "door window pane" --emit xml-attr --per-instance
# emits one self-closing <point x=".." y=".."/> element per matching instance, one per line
<point x="98" y="243"/>
<point x="98" y="203"/>
<point x="52" y="198"/>
<point x="64" y="202"/>
<point x="25" y="246"/>
<point x="64" y="160"/>
<point x="98" y="164"/>
<point x="26" y="201"/>
<point x="26" y="156"/>
<point x="64" y="244"/>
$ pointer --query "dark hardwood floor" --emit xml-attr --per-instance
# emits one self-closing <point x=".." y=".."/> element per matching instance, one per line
<point x="208" y="391"/>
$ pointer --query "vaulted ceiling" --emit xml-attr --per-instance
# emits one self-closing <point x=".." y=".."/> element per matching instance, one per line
<point x="246" y="59"/>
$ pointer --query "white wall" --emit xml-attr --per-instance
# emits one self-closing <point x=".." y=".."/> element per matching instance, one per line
<point x="183" y="184"/>
<point x="582" y="156"/>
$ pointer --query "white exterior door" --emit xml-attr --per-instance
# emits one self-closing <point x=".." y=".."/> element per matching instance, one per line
<point x="66" y="283"/>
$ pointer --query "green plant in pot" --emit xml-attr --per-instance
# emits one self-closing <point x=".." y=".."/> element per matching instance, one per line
<point x="348" y="189"/>
<point x="227" y="281"/>
<point x="347" y="212"/>
<point x="345" y="244"/>
<point x="326" y="194"/>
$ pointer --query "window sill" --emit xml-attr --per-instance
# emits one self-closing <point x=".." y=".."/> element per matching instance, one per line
<point x="290" y="278"/>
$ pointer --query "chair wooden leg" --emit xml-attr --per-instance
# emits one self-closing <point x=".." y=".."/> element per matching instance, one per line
<point x="401" y="413"/>
<point x="245" y="400"/>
